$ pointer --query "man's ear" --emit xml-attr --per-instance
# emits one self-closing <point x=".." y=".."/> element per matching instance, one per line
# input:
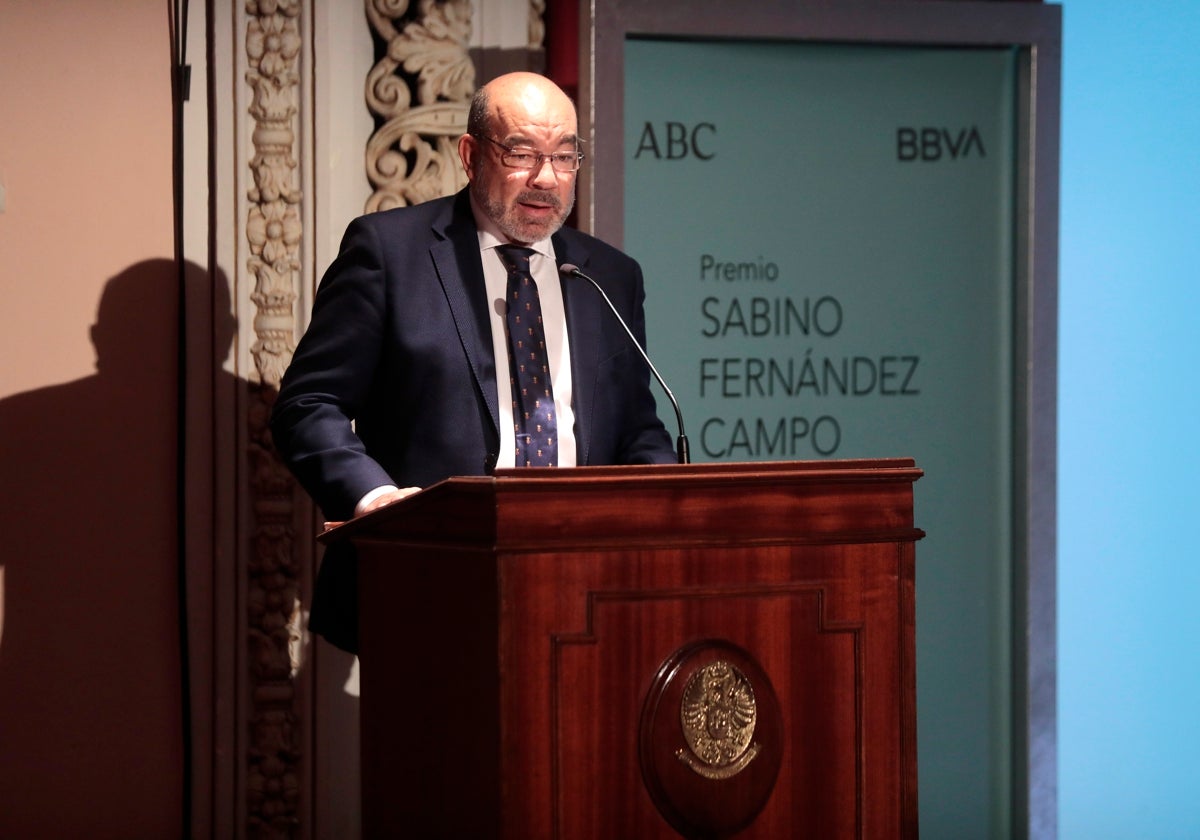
<point x="468" y="149"/>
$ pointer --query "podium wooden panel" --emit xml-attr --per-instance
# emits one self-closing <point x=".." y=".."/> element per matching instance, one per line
<point x="513" y="629"/>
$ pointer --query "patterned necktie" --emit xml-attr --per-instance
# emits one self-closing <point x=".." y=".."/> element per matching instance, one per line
<point x="534" y="422"/>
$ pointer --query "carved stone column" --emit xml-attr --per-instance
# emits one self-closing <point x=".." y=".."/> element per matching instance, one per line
<point x="273" y="609"/>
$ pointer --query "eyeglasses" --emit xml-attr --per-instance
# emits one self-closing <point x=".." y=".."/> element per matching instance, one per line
<point x="522" y="158"/>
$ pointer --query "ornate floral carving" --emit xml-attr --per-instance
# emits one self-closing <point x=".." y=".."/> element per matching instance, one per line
<point x="412" y="157"/>
<point x="273" y="47"/>
<point x="273" y="230"/>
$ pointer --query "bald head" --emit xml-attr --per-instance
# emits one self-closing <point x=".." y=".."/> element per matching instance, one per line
<point x="515" y="91"/>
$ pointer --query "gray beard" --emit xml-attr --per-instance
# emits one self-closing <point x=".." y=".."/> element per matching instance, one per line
<point x="507" y="219"/>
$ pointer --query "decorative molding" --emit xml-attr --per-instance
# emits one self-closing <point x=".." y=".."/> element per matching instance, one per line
<point x="537" y="24"/>
<point x="274" y="231"/>
<point x="273" y="227"/>
<point x="413" y="156"/>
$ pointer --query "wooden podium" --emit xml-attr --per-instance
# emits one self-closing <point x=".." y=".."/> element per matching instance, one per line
<point x="642" y="652"/>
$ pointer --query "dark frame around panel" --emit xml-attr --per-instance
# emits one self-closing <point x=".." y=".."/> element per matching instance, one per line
<point x="1036" y="31"/>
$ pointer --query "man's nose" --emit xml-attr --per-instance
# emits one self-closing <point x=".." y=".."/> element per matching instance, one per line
<point x="543" y="175"/>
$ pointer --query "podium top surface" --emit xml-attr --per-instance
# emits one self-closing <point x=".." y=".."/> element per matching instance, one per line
<point x="808" y="501"/>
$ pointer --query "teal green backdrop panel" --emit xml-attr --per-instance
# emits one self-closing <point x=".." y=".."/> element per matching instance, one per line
<point x="827" y="236"/>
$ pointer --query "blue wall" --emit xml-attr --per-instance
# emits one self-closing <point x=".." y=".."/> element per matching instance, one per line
<point x="1129" y="413"/>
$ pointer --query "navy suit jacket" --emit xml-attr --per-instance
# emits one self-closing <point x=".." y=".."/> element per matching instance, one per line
<point x="400" y="342"/>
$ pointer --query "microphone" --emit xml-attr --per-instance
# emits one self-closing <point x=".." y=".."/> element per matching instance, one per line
<point x="681" y="443"/>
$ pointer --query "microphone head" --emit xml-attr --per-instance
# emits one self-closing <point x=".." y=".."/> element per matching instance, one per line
<point x="570" y="269"/>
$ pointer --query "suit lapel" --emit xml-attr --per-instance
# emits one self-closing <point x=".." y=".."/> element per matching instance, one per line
<point x="584" y="314"/>
<point x="456" y="258"/>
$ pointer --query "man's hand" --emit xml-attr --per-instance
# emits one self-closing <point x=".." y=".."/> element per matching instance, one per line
<point x="386" y="498"/>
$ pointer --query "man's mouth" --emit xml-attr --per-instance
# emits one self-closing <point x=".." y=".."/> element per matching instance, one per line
<point x="538" y="203"/>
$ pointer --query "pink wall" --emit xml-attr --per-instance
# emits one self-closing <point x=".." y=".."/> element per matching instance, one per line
<point x="90" y="729"/>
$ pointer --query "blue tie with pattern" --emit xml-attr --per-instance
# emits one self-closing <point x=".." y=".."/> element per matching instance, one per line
<point x="534" y="423"/>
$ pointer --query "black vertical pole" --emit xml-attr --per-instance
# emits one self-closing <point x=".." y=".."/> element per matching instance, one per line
<point x="180" y="91"/>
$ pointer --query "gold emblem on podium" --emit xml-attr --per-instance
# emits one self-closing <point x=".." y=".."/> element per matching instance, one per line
<point x="710" y="739"/>
<point x="718" y="714"/>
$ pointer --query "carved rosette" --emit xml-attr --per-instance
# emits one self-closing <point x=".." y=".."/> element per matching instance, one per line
<point x="273" y="229"/>
<point x="419" y="93"/>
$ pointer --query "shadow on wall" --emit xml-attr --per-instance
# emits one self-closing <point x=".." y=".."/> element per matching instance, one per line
<point x="90" y="692"/>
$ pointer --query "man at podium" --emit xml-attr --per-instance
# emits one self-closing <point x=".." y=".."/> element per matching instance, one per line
<point x="445" y="340"/>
